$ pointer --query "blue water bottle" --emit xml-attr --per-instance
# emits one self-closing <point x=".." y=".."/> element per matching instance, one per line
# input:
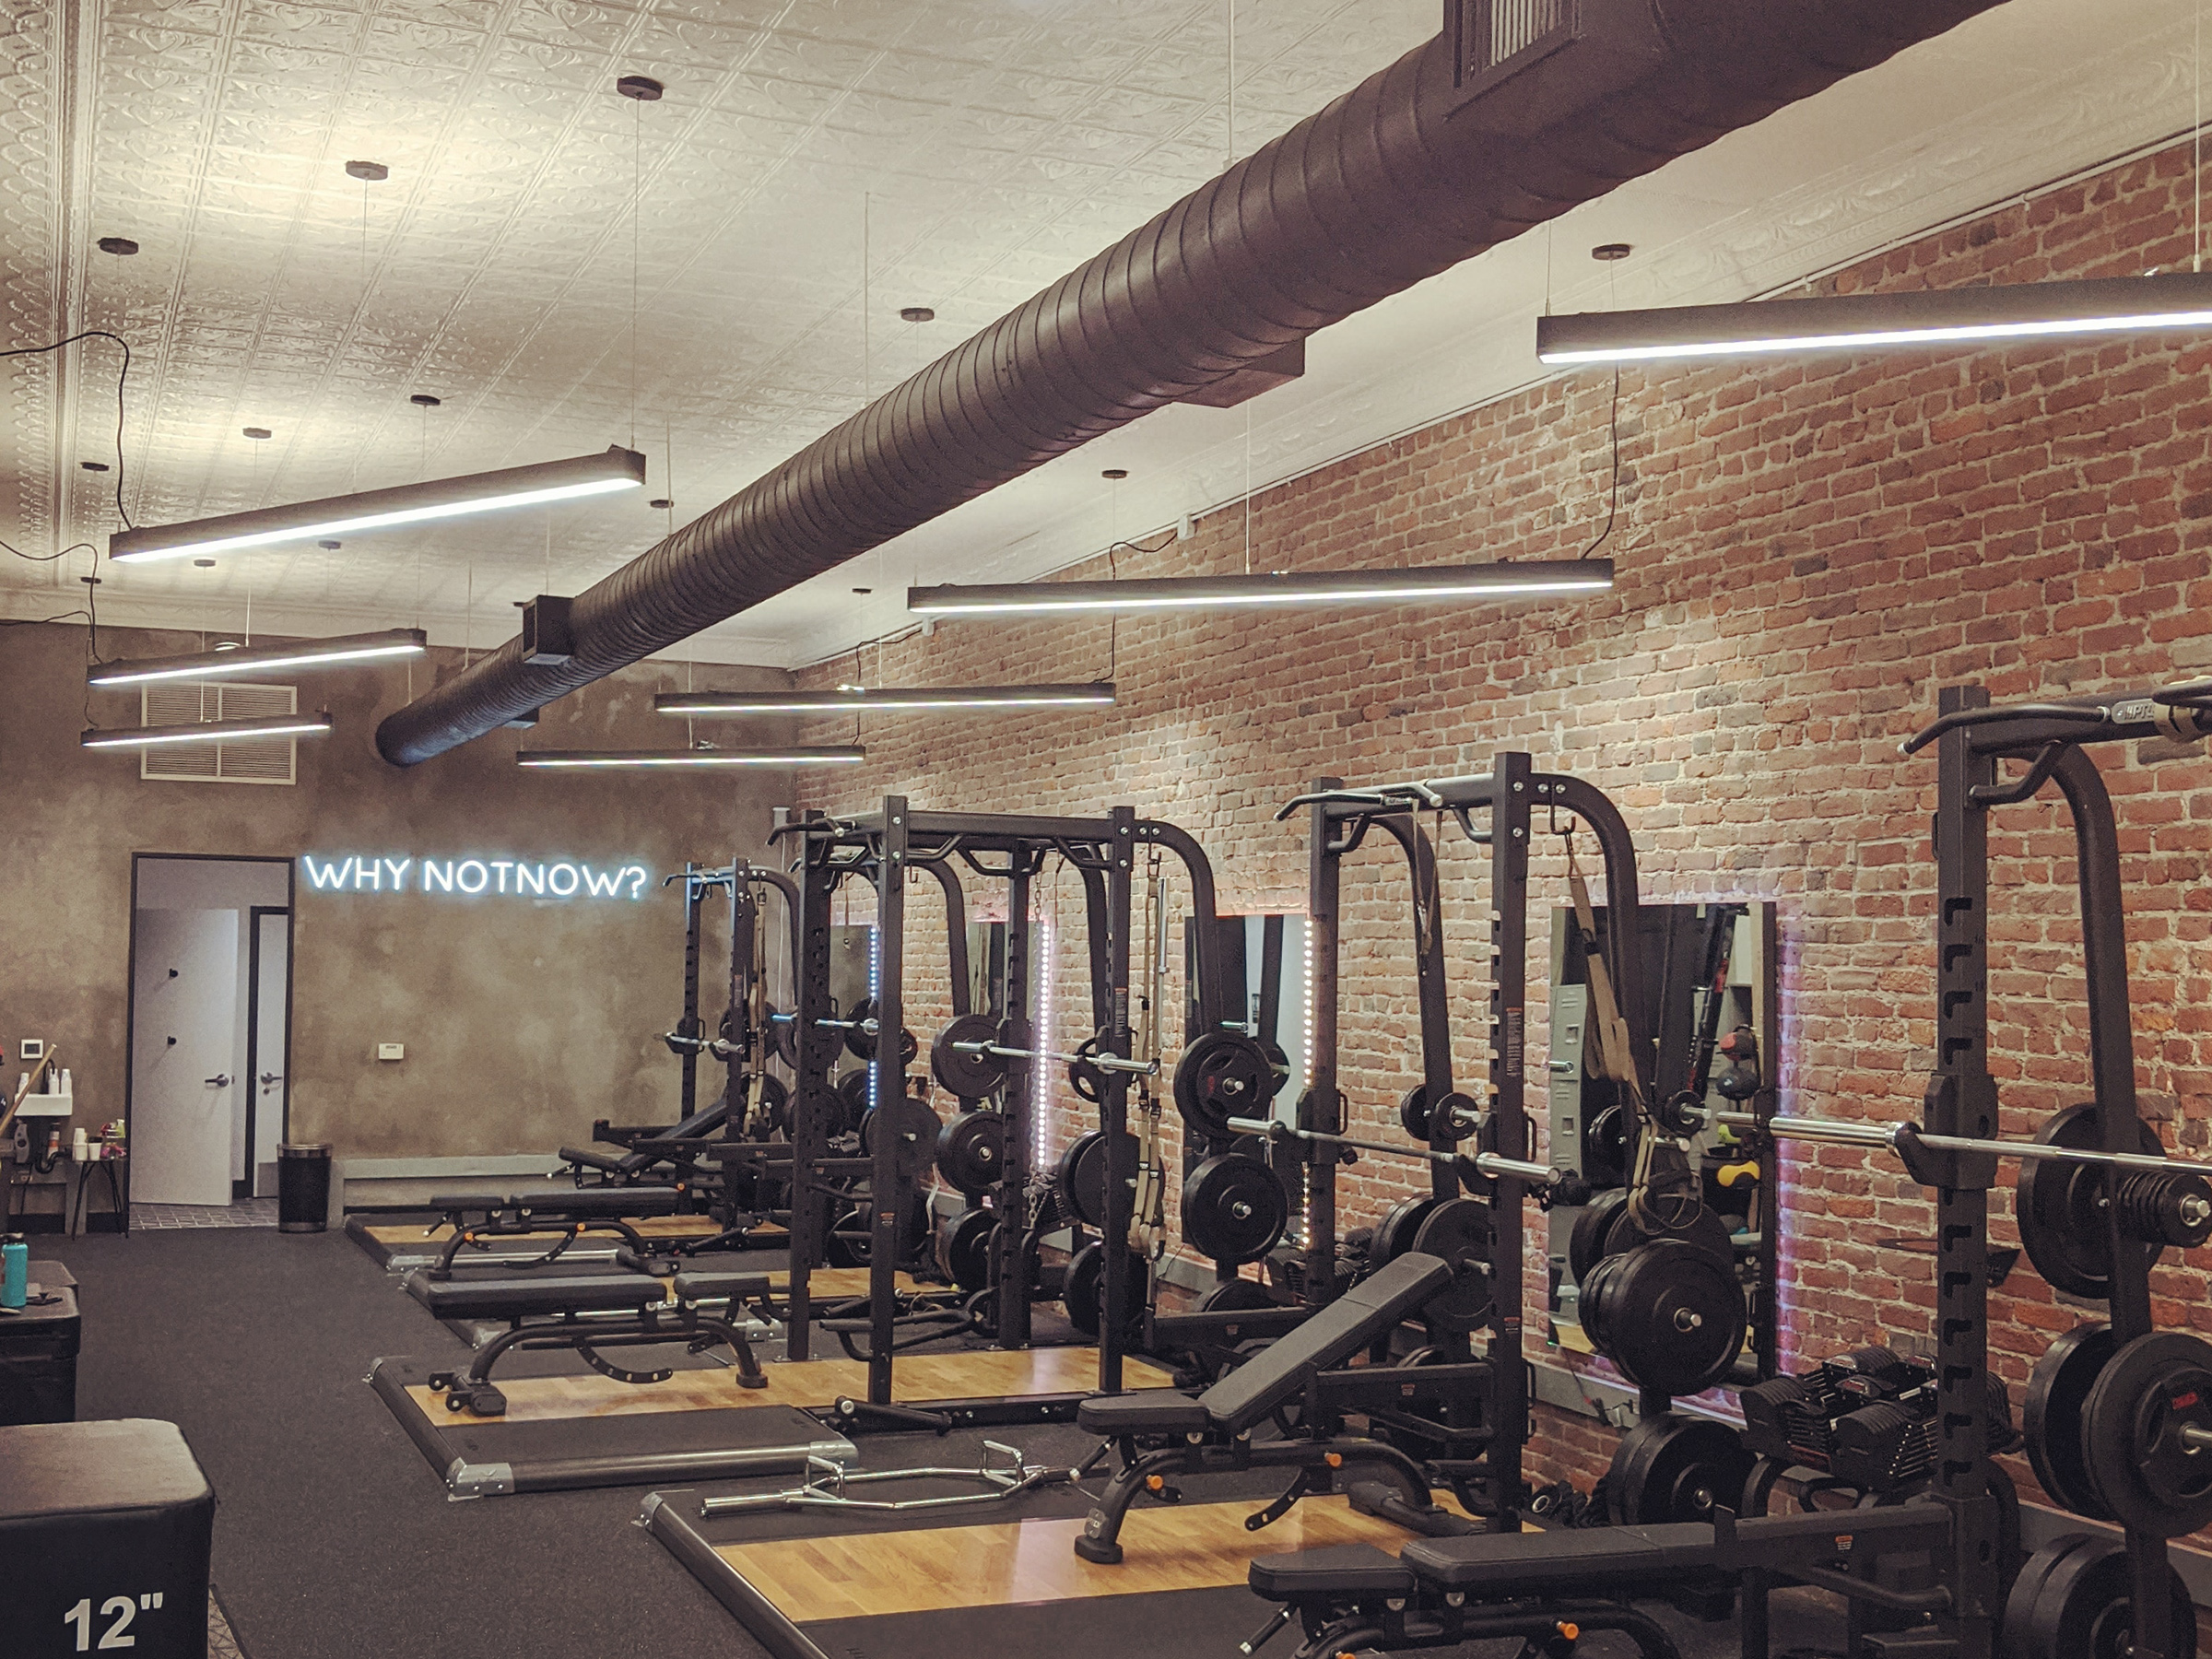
<point x="15" y="1274"/>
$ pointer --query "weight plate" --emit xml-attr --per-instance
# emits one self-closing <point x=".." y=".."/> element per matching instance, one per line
<point x="971" y="1152"/>
<point x="783" y="1033"/>
<point x="1586" y="1243"/>
<point x="1413" y="1112"/>
<point x="1458" y="1230"/>
<point x="1084" y="1076"/>
<point x="2028" y="1586"/>
<point x="2150" y="1478"/>
<point x="970" y="1076"/>
<point x="2061" y="1205"/>
<point x="916" y="1130"/>
<point x="771" y="1108"/>
<point x="1394" y="1233"/>
<point x="964" y="1248"/>
<point x="853" y="1101"/>
<point x="2083" y="1605"/>
<point x="1081" y="1179"/>
<point x="858" y="1043"/>
<point x="1607" y="1140"/>
<point x="1455" y="1118"/>
<point x="1669" y="1315"/>
<point x="1675" y="1467"/>
<point x="1085" y="1294"/>
<point x="1222" y="1075"/>
<point x="2058" y="1396"/>
<point x="1234" y="1209"/>
<point x="1235" y="1296"/>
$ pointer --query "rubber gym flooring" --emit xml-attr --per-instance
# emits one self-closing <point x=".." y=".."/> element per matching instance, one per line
<point x="333" y="1539"/>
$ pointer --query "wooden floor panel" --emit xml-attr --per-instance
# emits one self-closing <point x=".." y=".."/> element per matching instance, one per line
<point x="915" y="1378"/>
<point x="1194" y="1546"/>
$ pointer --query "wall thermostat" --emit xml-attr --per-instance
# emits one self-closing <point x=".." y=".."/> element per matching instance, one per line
<point x="391" y="1051"/>
<point x="33" y="1048"/>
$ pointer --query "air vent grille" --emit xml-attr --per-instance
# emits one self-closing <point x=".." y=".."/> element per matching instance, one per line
<point x="235" y="760"/>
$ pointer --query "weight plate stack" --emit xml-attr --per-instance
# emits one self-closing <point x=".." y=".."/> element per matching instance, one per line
<point x="964" y="1248"/>
<point x="2075" y="1600"/>
<point x="2058" y="1396"/>
<point x="2146" y="1395"/>
<point x="1080" y="1179"/>
<point x="1234" y="1209"/>
<point x="915" y="1130"/>
<point x="1675" y="1467"/>
<point x="1223" y="1074"/>
<point x="1235" y="1296"/>
<point x="2061" y="1205"/>
<point x="970" y="1076"/>
<point x="971" y="1152"/>
<point x="1085" y="1295"/>
<point x="1669" y="1315"/>
<point x="1395" y="1233"/>
<point x="852" y="1102"/>
<point x="1458" y="1230"/>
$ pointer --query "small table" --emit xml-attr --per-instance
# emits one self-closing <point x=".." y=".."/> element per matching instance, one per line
<point x="79" y="1211"/>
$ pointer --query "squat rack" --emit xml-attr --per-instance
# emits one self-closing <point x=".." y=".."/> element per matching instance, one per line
<point x="887" y="844"/>
<point x="1339" y="821"/>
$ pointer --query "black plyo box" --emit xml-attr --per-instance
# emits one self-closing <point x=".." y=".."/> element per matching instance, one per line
<point x="105" y="1532"/>
<point x="37" y="1359"/>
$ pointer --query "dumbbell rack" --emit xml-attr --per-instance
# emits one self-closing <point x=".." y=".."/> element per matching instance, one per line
<point x="886" y="845"/>
<point x="1339" y="821"/>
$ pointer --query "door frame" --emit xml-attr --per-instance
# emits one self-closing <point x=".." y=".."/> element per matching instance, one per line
<point x="130" y="1004"/>
<point x="242" y="1189"/>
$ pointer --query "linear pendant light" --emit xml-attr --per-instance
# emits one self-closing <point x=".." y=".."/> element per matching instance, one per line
<point x="1869" y="322"/>
<point x="299" y="653"/>
<point x="377" y="509"/>
<point x="1097" y="693"/>
<point x="1500" y="580"/>
<point x="207" y="731"/>
<point x="590" y="760"/>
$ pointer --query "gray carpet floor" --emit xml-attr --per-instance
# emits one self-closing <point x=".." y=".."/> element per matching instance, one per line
<point x="333" y="1536"/>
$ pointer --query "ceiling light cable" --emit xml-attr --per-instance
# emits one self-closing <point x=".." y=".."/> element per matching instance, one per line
<point x="636" y="198"/>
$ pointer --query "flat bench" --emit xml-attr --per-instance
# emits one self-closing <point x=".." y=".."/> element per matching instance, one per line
<point x="1210" y="1432"/>
<point x="586" y="1210"/>
<point x="546" y="1312"/>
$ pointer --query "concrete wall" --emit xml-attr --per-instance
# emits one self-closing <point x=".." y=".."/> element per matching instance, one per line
<point x="523" y="1017"/>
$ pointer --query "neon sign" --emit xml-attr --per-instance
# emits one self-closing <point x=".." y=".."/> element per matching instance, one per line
<point x="561" y="879"/>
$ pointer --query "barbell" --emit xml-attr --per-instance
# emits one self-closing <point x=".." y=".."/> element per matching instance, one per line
<point x="1485" y="1163"/>
<point x="1895" y="1138"/>
<point x="968" y="1058"/>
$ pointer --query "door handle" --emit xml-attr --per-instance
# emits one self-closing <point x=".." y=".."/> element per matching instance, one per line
<point x="269" y="1078"/>
<point x="219" y="1081"/>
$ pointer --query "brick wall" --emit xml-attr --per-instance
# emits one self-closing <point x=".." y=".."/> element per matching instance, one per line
<point x="1807" y="550"/>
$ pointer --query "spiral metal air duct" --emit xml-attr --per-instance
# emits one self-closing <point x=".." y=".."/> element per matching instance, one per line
<point x="1518" y="111"/>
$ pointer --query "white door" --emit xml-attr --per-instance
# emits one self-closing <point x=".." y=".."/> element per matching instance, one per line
<point x="272" y="1012"/>
<point x="184" y="1013"/>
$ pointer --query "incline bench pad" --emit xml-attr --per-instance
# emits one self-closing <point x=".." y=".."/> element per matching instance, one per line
<point x="518" y="1298"/>
<point x="721" y="1287"/>
<point x="1567" y="1557"/>
<point x="1279" y="1371"/>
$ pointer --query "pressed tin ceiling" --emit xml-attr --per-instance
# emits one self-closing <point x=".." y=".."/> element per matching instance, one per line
<point x="987" y="145"/>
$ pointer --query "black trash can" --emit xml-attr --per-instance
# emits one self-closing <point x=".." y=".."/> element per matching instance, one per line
<point x="303" y="1187"/>
<point x="37" y="1356"/>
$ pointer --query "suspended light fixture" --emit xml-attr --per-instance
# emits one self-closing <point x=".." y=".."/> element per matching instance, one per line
<point x="208" y="731"/>
<point x="847" y="699"/>
<point x="607" y="760"/>
<point x="1871" y="322"/>
<point x="1501" y="581"/>
<point x="619" y="469"/>
<point x="299" y="653"/>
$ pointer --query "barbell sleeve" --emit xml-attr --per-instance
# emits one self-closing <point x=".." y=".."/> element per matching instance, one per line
<point x="1837" y="1131"/>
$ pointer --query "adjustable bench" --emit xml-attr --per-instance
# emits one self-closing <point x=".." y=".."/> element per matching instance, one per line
<point x="1550" y="1587"/>
<point x="632" y="1163"/>
<point x="588" y="1209"/>
<point x="1211" y="1432"/>
<point x="547" y="1312"/>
